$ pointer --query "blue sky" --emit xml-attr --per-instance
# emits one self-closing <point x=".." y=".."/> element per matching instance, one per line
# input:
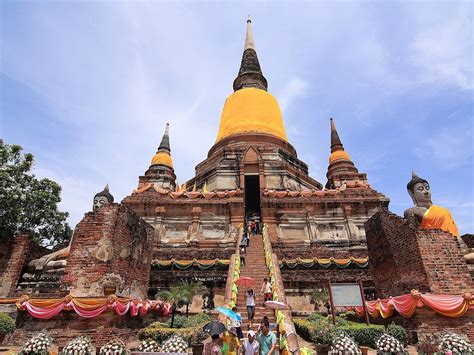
<point x="87" y="87"/>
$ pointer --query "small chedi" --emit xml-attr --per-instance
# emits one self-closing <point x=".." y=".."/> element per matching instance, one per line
<point x="304" y="233"/>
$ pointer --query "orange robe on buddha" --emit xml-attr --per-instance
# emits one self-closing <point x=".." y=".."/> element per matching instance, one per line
<point x="437" y="217"/>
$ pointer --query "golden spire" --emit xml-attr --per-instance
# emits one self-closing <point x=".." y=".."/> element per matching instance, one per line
<point x="337" y="149"/>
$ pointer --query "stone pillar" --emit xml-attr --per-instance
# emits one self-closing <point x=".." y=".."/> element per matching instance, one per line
<point x="402" y="259"/>
<point x="110" y="247"/>
<point x="20" y="249"/>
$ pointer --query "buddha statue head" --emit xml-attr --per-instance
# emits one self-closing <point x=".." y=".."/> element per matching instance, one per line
<point x="419" y="190"/>
<point x="102" y="198"/>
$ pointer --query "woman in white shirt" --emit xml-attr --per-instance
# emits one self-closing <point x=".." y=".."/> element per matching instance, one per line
<point x="250" y="306"/>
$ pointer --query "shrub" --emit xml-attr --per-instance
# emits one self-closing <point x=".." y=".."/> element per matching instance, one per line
<point x="317" y="332"/>
<point x="398" y="332"/>
<point x="161" y="334"/>
<point x="363" y="334"/>
<point x="317" y="317"/>
<point x="183" y="322"/>
<point x="7" y="324"/>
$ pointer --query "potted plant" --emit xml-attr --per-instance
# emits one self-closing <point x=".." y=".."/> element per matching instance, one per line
<point x="454" y="343"/>
<point x="7" y="325"/>
<point x="114" y="347"/>
<point x="149" y="346"/>
<point x="38" y="345"/>
<point x="79" y="345"/>
<point x="343" y="344"/>
<point x="387" y="344"/>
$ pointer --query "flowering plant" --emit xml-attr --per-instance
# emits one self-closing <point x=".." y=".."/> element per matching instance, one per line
<point x="343" y="344"/>
<point x="387" y="344"/>
<point x="454" y="343"/>
<point x="114" y="347"/>
<point x="38" y="345"/>
<point x="81" y="345"/>
<point x="175" y="344"/>
<point x="149" y="346"/>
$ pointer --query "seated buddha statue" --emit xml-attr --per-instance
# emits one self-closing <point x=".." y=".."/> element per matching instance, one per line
<point x="56" y="261"/>
<point x="424" y="214"/>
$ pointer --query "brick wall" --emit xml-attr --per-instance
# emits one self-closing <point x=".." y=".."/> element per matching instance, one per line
<point x="402" y="259"/>
<point x="113" y="240"/>
<point x="19" y="251"/>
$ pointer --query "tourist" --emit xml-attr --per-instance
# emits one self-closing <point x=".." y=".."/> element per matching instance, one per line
<point x="235" y="323"/>
<point x="259" y="329"/>
<point x="250" y="306"/>
<point x="214" y="346"/>
<point x="283" y="343"/>
<point x="250" y="345"/>
<point x="234" y="343"/>
<point x="257" y="225"/>
<point x="252" y="226"/>
<point x="266" y="339"/>
<point x="266" y="290"/>
<point x="243" y="250"/>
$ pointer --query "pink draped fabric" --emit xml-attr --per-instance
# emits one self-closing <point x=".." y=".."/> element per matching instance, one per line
<point x="43" y="313"/>
<point x="406" y="305"/>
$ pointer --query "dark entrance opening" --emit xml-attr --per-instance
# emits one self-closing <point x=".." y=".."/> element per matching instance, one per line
<point x="252" y="195"/>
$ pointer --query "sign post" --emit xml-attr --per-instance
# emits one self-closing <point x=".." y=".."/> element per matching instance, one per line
<point x="346" y="295"/>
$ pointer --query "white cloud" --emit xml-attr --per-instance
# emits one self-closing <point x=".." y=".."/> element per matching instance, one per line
<point x="294" y="89"/>
<point x="444" y="52"/>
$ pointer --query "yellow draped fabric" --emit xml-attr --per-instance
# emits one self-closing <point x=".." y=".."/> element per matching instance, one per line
<point x="437" y="217"/>
<point x="162" y="158"/>
<point x="251" y="110"/>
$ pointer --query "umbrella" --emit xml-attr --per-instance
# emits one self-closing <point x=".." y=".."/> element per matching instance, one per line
<point x="227" y="312"/>
<point x="245" y="281"/>
<point x="276" y="305"/>
<point x="214" y="327"/>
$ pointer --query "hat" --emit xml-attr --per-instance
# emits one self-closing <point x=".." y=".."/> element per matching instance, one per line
<point x="233" y="330"/>
<point x="251" y="333"/>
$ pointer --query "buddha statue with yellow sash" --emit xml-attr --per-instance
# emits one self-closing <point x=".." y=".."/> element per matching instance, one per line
<point x="424" y="214"/>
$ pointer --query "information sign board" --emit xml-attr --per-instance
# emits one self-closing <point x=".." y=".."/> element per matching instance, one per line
<point x="346" y="295"/>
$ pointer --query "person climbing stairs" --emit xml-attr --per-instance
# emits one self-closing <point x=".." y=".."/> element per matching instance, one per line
<point x="256" y="268"/>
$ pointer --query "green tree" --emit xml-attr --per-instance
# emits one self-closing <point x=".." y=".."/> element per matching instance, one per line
<point x="175" y="296"/>
<point x="28" y="203"/>
<point x="191" y="289"/>
<point x="181" y="295"/>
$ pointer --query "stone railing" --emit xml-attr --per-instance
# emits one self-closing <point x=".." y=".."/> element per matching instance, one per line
<point x="231" y="288"/>
<point x="283" y="317"/>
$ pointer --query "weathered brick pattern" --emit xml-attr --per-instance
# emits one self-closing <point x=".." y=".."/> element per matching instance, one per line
<point x="19" y="249"/>
<point x="113" y="240"/>
<point x="67" y="325"/>
<point x="402" y="259"/>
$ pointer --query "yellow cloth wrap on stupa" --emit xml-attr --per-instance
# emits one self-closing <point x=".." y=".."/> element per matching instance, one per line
<point x="338" y="155"/>
<point x="251" y="110"/>
<point x="437" y="217"/>
<point x="162" y="158"/>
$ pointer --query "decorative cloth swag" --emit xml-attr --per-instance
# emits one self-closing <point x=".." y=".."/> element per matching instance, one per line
<point x="186" y="264"/>
<point x="325" y="263"/>
<point x="86" y="307"/>
<point x="447" y="305"/>
<point x="188" y="194"/>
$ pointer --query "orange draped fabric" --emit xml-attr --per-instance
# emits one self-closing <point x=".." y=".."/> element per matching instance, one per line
<point x="437" y="217"/>
<point x="448" y="305"/>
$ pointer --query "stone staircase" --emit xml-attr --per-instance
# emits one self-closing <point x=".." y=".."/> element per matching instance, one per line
<point x="256" y="268"/>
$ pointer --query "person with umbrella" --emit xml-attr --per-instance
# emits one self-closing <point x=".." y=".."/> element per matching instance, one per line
<point x="237" y="324"/>
<point x="234" y="343"/>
